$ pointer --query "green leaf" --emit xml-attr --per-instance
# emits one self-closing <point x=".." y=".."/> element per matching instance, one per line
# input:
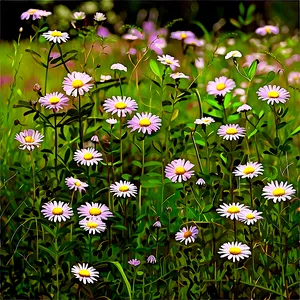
<point x="223" y="158"/>
<point x="206" y="33"/>
<point x="233" y="118"/>
<point x="261" y="114"/>
<point x="270" y="77"/>
<point x="295" y="131"/>
<point x="53" y="254"/>
<point x="235" y="23"/>
<point x="252" y="133"/>
<point x="242" y="8"/>
<point x="137" y="163"/>
<point x="120" y="227"/>
<point x="227" y="99"/>
<point x="207" y="208"/>
<point x="175" y="114"/>
<point x="252" y="69"/>
<point x="250" y="10"/>
<point x="153" y="163"/>
<point x="119" y="267"/>
<point x="155" y="68"/>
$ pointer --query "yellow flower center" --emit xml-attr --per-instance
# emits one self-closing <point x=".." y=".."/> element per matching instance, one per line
<point x="234" y="53"/>
<point x="233" y="210"/>
<point x="32" y="11"/>
<point x="248" y="170"/>
<point x="273" y="94"/>
<point x="183" y="35"/>
<point x="235" y="250"/>
<point x="145" y="122"/>
<point x="168" y="61"/>
<point x="56" y="34"/>
<point x="231" y="131"/>
<point x="278" y="192"/>
<point x="57" y="211"/>
<point x="206" y="120"/>
<point x="120" y="105"/>
<point x="77" y="83"/>
<point x="54" y="100"/>
<point x="220" y="86"/>
<point x="187" y="234"/>
<point x="77" y="183"/>
<point x="88" y="156"/>
<point x="268" y="30"/>
<point x="92" y="224"/>
<point x="95" y="211"/>
<point x="295" y="78"/>
<point x="250" y="216"/>
<point x="124" y="188"/>
<point x="29" y="139"/>
<point x="84" y="273"/>
<point x="179" y="170"/>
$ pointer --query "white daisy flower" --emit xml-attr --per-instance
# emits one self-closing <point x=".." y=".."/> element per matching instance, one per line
<point x="56" y="36"/>
<point x="249" y="216"/>
<point x="278" y="191"/>
<point x="233" y="54"/>
<point x="93" y="225"/>
<point x="99" y="17"/>
<point x="79" y="15"/>
<point x="77" y="83"/>
<point x="205" y="121"/>
<point x="231" y="211"/>
<point x="234" y="251"/>
<point x="57" y="211"/>
<point x="243" y="108"/>
<point x="104" y="78"/>
<point x="84" y="273"/>
<point x="168" y="60"/>
<point x="111" y="121"/>
<point x="97" y="210"/>
<point x="249" y="170"/>
<point x="75" y="184"/>
<point x="87" y="156"/>
<point x="179" y="75"/>
<point x="123" y="189"/>
<point x="119" y="67"/>
<point x="200" y="181"/>
<point x="231" y="132"/>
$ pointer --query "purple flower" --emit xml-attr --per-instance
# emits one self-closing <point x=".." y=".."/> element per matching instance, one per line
<point x="134" y="262"/>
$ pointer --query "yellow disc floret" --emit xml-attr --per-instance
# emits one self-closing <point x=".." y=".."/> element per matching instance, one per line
<point x="273" y="94"/>
<point x="124" y="188"/>
<point x="145" y="122"/>
<point x="92" y="224"/>
<point x="235" y="250"/>
<point x="84" y="273"/>
<point x="95" y="211"/>
<point x="233" y="210"/>
<point x="231" y="131"/>
<point x="88" y="156"/>
<point x="54" y="100"/>
<point x="120" y="105"/>
<point x="57" y="211"/>
<point x="278" y="192"/>
<point x="220" y="86"/>
<point x="179" y="170"/>
<point x="29" y="139"/>
<point x="187" y="234"/>
<point x="56" y="34"/>
<point x="248" y="170"/>
<point x="77" y="83"/>
<point x="250" y="216"/>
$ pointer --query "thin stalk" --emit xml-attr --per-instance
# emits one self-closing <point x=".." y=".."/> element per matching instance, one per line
<point x="55" y="147"/>
<point x="143" y="170"/>
<point x="90" y="249"/>
<point x="120" y="83"/>
<point x="62" y="59"/>
<point x="157" y="237"/>
<point x="33" y="175"/>
<point x="197" y="152"/>
<point x="37" y="239"/>
<point x="57" y="262"/>
<point x="80" y="124"/>
<point x="251" y="194"/>
<point x="121" y="146"/>
<point x="47" y="68"/>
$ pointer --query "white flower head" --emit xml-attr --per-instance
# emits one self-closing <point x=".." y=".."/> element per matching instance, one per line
<point x="233" y="54"/>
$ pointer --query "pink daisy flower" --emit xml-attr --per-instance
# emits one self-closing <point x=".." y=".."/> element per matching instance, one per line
<point x="179" y="75"/>
<point x="145" y="122"/>
<point x="267" y="30"/>
<point x="294" y="78"/>
<point x="123" y="189"/>
<point x="181" y="35"/>
<point x="186" y="234"/>
<point x="273" y="94"/>
<point x="134" y="262"/>
<point x="29" y="139"/>
<point x="119" y="67"/>
<point x="98" y="210"/>
<point x="120" y="105"/>
<point x="194" y="42"/>
<point x="57" y="211"/>
<point x="220" y="86"/>
<point x="34" y="13"/>
<point x="231" y="132"/>
<point x="179" y="170"/>
<point x="76" y="84"/>
<point x="151" y="259"/>
<point x="79" y="15"/>
<point x="55" y="101"/>
<point x="87" y="156"/>
<point x="75" y="184"/>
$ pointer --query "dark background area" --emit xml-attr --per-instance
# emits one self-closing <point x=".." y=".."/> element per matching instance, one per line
<point x="208" y="12"/>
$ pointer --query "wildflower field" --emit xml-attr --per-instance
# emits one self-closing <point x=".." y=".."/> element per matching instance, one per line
<point x="149" y="160"/>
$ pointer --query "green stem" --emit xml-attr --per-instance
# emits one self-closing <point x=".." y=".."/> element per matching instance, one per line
<point x="33" y="175"/>
<point x="80" y="123"/>
<point x="57" y="261"/>
<point x="157" y="237"/>
<point x="90" y="249"/>
<point x="62" y="58"/>
<point x="47" y="68"/>
<point x="143" y="170"/>
<point x="251" y="194"/>
<point x="55" y="147"/>
<point x="121" y="146"/>
<point x="197" y="152"/>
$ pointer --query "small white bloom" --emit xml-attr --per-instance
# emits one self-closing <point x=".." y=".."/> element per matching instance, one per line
<point x="249" y="216"/>
<point x="119" y="67"/>
<point x="178" y="75"/>
<point x="233" y="54"/>
<point x="249" y="170"/>
<point x="278" y="191"/>
<point x="205" y="121"/>
<point x="99" y="17"/>
<point x="234" y="251"/>
<point x="200" y="181"/>
<point x="79" y="15"/>
<point x="111" y="121"/>
<point x="231" y="211"/>
<point x="104" y="78"/>
<point x="85" y="274"/>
